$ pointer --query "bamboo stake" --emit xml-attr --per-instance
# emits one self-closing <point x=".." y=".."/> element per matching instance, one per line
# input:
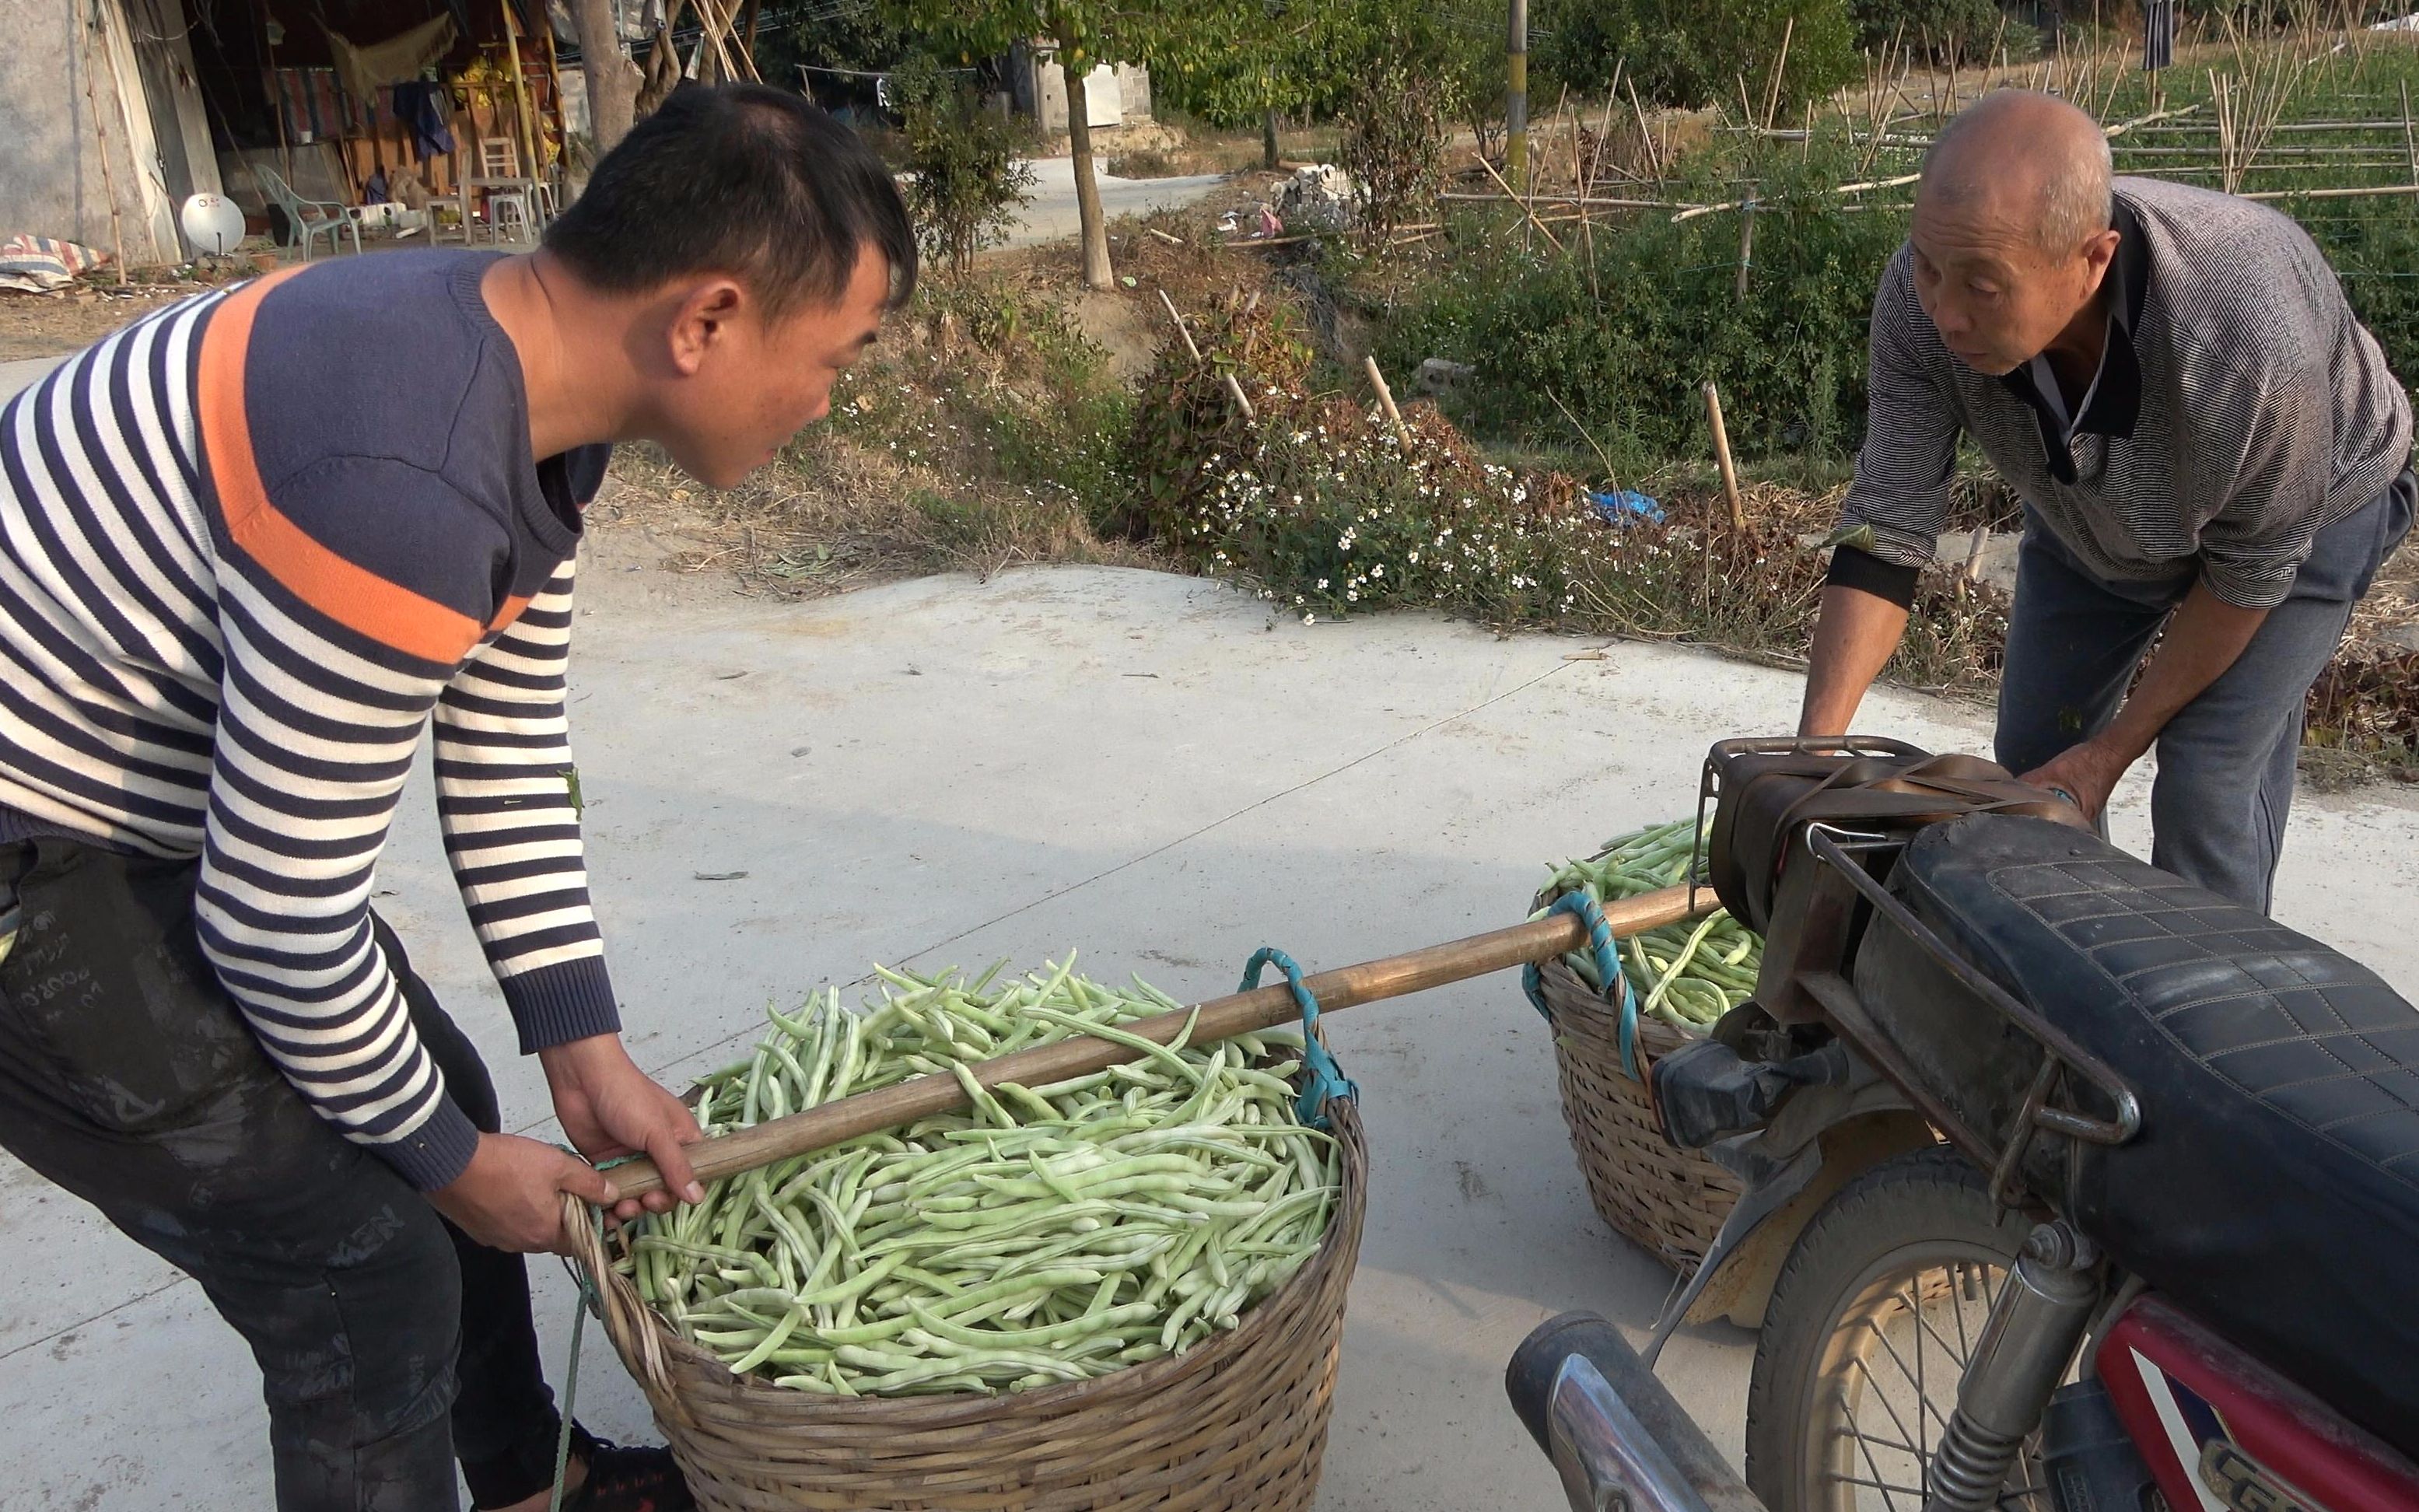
<point x="1604" y="128"/>
<point x="1526" y="208"/>
<point x="521" y="110"/>
<point x="1599" y="201"/>
<point x="1234" y="388"/>
<point x="2374" y="192"/>
<point x="1181" y="329"/>
<point x="1747" y="248"/>
<point x="1645" y="136"/>
<point x="2410" y="145"/>
<point x="1386" y="402"/>
<point x="1722" y="457"/>
<point x="1220" y="1018"/>
<point x="108" y="180"/>
<point x="1779" y="66"/>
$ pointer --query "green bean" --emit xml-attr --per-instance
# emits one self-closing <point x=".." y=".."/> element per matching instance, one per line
<point x="1048" y="1233"/>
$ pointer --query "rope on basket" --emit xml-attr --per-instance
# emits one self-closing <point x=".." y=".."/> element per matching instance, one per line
<point x="1322" y="1078"/>
<point x="1607" y="970"/>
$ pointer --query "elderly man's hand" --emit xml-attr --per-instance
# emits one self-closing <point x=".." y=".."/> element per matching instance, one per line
<point x="2087" y="773"/>
<point x="609" y="1107"/>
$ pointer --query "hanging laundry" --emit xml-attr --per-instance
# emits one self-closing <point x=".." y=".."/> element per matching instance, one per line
<point x="426" y="110"/>
<point x="399" y="59"/>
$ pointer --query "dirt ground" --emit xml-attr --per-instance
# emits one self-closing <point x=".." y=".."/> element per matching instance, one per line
<point x="45" y="325"/>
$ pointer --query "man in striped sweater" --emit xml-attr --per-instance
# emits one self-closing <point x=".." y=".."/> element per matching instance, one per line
<point x="250" y="547"/>
<point x="2212" y="455"/>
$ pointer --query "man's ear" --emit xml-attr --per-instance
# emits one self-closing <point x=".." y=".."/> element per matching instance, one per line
<point x="701" y="319"/>
<point x="2101" y="250"/>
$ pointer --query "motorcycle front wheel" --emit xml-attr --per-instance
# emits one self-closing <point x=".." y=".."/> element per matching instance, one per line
<point x="1869" y="1329"/>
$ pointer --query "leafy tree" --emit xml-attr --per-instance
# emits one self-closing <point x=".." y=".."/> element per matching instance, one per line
<point x="1693" y="53"/>
<point x="1292" y="57"/>
<point x="1178" y="35"/>
<point x="964" y="180"/>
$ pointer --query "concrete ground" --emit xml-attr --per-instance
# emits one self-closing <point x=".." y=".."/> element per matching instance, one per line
<point x="24" y="372"/>
<point x="1152" y="769"/>
<point x="1050" y="215"/>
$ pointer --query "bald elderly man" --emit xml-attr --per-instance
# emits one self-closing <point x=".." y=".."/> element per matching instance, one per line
<point x="2206" y="442"/>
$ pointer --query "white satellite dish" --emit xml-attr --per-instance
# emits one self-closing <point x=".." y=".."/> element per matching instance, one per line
<point x="212" y="223"/>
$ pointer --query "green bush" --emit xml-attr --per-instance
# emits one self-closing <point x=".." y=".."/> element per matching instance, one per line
<point x="966" y="178"/>
<point x="1394" y="145"/>
<point x="1326" y="508"/>
<point x="993" y="386"/>
<point x="1967" y="30"/>
<point x="1603" y="347"/>
<point x="1693" y="52"/>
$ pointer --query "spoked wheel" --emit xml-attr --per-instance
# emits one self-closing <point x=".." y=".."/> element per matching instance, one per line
<point x="1870" y="1329"/>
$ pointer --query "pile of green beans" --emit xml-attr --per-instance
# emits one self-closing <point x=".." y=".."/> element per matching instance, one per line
<point x="1048" y="1234"/>
<point x="1689" y="973"/>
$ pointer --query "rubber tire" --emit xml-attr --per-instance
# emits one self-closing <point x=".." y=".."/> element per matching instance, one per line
<point x="1933" y="1194"/>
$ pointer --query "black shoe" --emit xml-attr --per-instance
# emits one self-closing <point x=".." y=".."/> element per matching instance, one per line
<point x="623" y="1479"/>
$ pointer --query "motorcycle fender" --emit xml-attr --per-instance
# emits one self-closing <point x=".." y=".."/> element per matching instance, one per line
<point x="1741" y="1287"/>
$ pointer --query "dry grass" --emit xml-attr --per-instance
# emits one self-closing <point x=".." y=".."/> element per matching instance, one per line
<point x="834" y="516"/>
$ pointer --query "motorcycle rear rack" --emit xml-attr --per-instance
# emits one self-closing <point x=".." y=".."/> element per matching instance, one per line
<point x="1709" y="779"/>
<point x="2061" y="1057"/>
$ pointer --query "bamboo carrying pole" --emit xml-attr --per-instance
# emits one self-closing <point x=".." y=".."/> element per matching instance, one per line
<point x="1220" y="1018"/>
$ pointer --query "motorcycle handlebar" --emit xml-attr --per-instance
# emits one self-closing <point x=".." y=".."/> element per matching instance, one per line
<point x="1614" y="1433"/>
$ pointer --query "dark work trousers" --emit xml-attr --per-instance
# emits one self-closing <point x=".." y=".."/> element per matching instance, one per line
<point x="2226" y="760"/>
<point x="388" y="1341"/>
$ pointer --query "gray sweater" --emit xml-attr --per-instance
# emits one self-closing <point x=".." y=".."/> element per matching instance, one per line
<point x="2241" y="407"/>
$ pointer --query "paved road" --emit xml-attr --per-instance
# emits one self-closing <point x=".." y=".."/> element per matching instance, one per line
<point x="1147" y="767"/>
<point x="17" y="375"/>
<point x="1050" y="215"/>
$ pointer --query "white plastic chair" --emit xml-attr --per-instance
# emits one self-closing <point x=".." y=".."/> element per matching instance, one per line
<point x="510" y="206"/>
<point x="310" y="218"/>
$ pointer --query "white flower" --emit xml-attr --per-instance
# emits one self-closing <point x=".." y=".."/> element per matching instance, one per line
<point x="1377" y="571"/>
<point x="1309" y="619"/>
<point x="1322" y="585"/>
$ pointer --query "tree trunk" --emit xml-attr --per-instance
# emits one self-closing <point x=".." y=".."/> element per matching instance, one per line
<point x="1268" y="139"/>
<point x="612" y="81"/>
<point x="1097" y="273"/>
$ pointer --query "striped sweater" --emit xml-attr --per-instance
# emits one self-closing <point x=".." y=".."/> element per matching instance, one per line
<point x="249" y="547"/>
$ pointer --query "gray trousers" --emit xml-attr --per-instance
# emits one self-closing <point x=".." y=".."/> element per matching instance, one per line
<point x="2226" y="760"/>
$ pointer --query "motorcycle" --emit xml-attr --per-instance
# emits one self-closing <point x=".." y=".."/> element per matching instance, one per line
<point x="2068" y="1187"/>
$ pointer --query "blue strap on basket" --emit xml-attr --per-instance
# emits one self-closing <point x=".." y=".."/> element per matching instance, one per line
<point x="1607" y="969"/>
<point x="1321" y="1077"/>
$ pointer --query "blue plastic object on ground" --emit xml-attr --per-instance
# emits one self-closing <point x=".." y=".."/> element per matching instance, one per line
<point x="1620" y="506"/>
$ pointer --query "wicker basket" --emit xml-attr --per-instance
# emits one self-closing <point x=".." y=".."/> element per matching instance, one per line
<point x="1237" y="1422"/>
<point x="1671" y="1200"/>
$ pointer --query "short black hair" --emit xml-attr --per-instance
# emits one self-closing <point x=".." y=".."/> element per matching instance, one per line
<point x="738" y="178"/>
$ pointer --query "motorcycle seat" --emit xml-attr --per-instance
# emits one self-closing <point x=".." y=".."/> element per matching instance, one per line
<point x="2273" y="1187"/>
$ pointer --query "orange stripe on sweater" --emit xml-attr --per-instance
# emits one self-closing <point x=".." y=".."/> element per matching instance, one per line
<point x="350" y="594"/>
<point x="505" y="616"/>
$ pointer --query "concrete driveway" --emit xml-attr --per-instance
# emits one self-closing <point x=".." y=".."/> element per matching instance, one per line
<point x="1050" y="215"/>
<point x="1149" y="768"/>
<point x="23" y="371"/>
